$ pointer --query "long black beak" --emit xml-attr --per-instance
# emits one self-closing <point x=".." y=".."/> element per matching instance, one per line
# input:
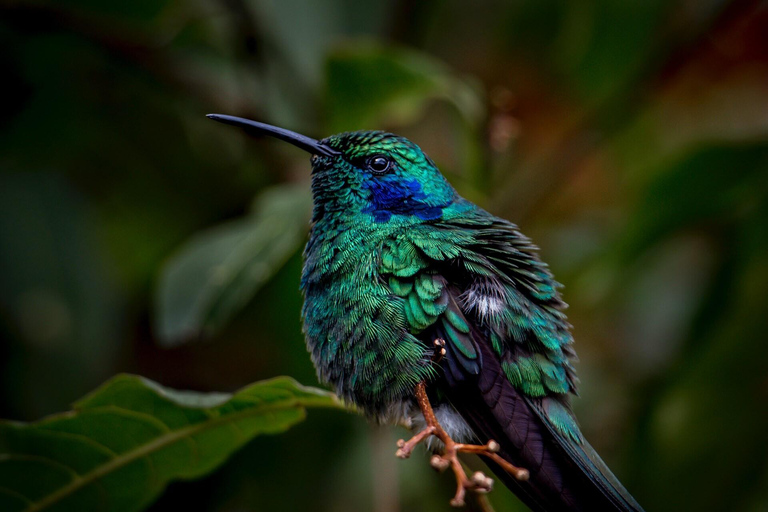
<point x="255" y="128"/>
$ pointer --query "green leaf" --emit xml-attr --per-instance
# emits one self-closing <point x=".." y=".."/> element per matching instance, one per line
<point x="710" y="185"/>
<point x="122" y="444"/>
<point x="369" y="85"/>
<point x="217" y="272"/>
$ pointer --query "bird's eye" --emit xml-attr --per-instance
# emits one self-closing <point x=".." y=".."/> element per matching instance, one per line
<point x="379" y="164"/>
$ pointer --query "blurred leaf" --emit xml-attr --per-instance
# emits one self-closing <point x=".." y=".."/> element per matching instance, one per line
<point x="217" y="272"/>
<point x="593" y="47"/>
<point x="369" y="85"/>
<point x="710" y="186"/>
<point x="122" y="444"/>
<point x="613" y="43"/>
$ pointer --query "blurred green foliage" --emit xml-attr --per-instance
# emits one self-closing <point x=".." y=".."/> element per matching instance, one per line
<point x="628" y="139"/>
<point x="218" y="272"/>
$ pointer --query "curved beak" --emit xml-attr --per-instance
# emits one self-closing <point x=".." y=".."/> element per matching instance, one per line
<point x="255" y="128"/>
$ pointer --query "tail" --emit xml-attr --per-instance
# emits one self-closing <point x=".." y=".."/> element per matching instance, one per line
<point x="586" y="459"/>
<point x="566" y="474"/>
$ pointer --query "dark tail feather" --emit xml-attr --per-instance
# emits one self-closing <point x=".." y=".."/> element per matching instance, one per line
<point x="593" y="467"/>
<point x="564" y="476"/>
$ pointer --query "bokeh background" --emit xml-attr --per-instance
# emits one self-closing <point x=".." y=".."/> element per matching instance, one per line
<point x="628" y="139"/>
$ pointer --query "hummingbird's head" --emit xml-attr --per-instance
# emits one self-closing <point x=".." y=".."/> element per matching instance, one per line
<point x="376" y="174"/>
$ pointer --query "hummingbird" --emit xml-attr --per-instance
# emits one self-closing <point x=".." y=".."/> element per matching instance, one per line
<point x="423" y="309"/>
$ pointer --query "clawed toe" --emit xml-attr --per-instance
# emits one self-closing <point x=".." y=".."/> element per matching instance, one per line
<point x="479" y="482"/>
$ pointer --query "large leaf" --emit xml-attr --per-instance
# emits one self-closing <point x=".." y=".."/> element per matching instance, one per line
<point x="123" y="443"/>
<point x="217" y="272"/>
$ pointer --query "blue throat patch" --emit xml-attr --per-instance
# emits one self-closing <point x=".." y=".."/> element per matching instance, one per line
<point x="400" y="197"/>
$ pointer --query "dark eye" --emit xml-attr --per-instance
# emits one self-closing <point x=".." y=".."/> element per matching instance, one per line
<point x="379" y="164"/>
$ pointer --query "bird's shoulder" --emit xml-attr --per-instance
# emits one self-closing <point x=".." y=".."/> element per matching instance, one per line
<point x="476" y="278"/>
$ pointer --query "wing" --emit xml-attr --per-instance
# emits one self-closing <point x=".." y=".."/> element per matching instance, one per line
<point x="478" y="283"/>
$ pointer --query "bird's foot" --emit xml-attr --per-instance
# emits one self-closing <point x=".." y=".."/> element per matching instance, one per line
<point x="479" y="482"/>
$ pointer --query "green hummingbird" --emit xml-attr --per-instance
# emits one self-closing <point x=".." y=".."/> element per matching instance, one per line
<point x="423" y="309"/>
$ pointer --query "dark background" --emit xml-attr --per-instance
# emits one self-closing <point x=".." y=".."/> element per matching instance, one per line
<point x="628" y="139"/>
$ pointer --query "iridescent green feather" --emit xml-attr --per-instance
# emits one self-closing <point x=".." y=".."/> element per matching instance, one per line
<point x="396" y="258"/>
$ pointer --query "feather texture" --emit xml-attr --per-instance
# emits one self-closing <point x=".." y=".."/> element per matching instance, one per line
<point x="395" y="260"/>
